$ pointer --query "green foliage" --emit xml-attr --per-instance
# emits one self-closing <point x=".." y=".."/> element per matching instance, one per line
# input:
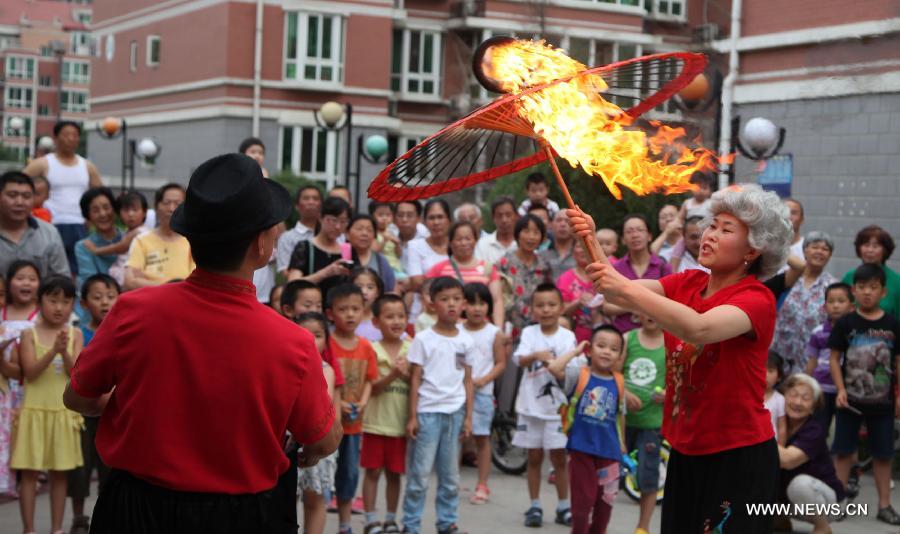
<point x="589" y="192"/>
<point x="9" y="154"/>
<point x="293" y="183"/>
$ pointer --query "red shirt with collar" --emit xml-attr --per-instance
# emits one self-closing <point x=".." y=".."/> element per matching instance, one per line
<point x="714" y="392"/>
<point x="207" y="380"/>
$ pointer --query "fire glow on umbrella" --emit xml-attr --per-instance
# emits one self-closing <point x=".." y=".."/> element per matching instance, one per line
<point x="587" y="130"/>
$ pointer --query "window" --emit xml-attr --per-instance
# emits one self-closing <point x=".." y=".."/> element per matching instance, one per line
<point x="43" y="110"/>
<point x="76" y="72"/>
<point x="25" y="131"/>
<point x="314" y="47"/>
<point x="74" y="101"/>
<point x="311" y="152"/>
<point x="46" y="51"/>
<point x="46" y="81"/>
<point x="18" y="97"/>
<point x="620" y="2"/>
<point x="415" y="62"/>
<point x="666" y="8"/>
<point x="82" y="43"/>
<point x="9" y="41"/>
<point x="19" y="68"/>
<point x="153" y="50"/>
<point x="132" y="60"/>
<point x="84" y="17"/>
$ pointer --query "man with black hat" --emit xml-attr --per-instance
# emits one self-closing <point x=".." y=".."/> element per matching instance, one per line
<point x="202" y="381"/>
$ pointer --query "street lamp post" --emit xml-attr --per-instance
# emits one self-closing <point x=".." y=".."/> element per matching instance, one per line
<point x="372" y="150"/>
<point x="146" y="150"/>
<point x="762" y="137"/>
<point x="335" y="117"/>
<point x="110" y="128"/>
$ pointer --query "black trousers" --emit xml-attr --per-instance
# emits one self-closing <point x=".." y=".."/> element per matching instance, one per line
<point x="711" y="491"/>
<point x="128" y="504"/>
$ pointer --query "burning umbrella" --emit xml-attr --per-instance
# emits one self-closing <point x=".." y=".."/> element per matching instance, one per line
<point x="556" y="106"/>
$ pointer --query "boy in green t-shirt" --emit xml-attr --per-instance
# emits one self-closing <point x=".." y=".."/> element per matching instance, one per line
<point x="644" y="365"/>
<point x="384" y="421"/>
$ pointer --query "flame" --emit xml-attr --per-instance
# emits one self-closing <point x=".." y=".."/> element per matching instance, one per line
<point x="589" y="131"/>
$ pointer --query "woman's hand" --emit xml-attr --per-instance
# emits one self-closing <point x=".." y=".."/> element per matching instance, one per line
<point x="337" y="269"/>
<point x="841" y="400"/>
<point x="582" y="223"/>
<point x="607" y="280"/>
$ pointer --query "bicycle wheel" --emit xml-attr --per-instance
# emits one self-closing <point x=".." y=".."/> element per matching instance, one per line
<point x="506" y="456"/>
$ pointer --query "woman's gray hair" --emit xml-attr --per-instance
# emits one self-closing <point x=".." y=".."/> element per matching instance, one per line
<point x="768" y="222"/>
<point x="818" y="237"/>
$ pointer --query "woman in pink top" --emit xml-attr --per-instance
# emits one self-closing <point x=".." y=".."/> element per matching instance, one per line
<point x="578" y="291"/>
<point x="464" y="266"/>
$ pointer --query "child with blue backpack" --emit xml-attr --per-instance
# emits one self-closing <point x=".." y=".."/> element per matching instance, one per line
<point x="594" y="420"/>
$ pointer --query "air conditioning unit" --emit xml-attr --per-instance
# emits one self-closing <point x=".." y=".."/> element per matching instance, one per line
<point x="461" y="103"/>
<point x="468" y="8"/>
<point x="705" y="33"/>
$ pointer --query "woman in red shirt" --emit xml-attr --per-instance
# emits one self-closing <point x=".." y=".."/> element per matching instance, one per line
<point x="718" y="330"/>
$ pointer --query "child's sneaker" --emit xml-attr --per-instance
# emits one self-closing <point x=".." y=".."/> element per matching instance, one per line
<point x="80" y="525"/>
<point x="551" y="478"/>
<point x="888" y="515"/>
<point x="373" y="528"/>
<point x="481" y="495"/>
<point x="452" y="529"/>
<point x="332" y="505"/>
<point x="347" y="530"/>
<point x="358" y="507"/>
<point x="564" y="517"/>
<point x="534" y="517"/>
<point x="390" y="527"/>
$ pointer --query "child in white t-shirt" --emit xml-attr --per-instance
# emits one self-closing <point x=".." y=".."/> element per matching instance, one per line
<point x="440" y="408"/>
<point x="773" y="400"/>
<point x="488" y="364"/>
<point x="539" y="399"/>
<point x="699" y="204"/>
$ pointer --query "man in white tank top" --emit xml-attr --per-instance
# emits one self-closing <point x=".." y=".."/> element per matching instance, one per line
<point x="70" y="175"/>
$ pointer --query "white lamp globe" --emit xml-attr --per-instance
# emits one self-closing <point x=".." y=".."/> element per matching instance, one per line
<point x="760" y="135"/>
<point x="147" y="148"/>
<point x="331" y="113"/>
<point x="16" y="124"/>
<point x="45" y="143"/>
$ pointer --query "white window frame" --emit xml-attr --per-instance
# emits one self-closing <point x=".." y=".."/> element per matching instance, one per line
<point x="69" y="76"/>
<point x="302" y="61"/>
<point x="132" y="57"/>
<point x="22" y="102"/>
<point x="17" y="67"/>
<point x="150" y="40"/>
<point x="406" y="76"/>
<point x="67" y="104"/>
<point x="81" y="14"/>
<point x="78" y="39"/>
<point x="657" y="13"/>
<point x="331" y="152"/>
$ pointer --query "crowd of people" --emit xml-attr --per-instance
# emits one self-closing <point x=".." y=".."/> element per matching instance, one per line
<point x="724" y="333"/>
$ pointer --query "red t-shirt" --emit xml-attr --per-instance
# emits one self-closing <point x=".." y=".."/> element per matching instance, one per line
<point x="207" y="381"/>
<point x="358" y="365"/>
<point x="714" y="393"/>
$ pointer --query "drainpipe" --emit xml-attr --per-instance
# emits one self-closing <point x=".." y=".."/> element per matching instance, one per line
<point x="728" y="88"/>
<point x="257" y="66"/>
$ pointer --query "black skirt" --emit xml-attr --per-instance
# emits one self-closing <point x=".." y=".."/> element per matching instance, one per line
<point x="709" y="492"/>
<point x="129" y="504"/>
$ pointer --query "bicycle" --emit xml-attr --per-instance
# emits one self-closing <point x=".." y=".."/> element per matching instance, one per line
<point x="505" y="456"/>
<point x="629" y="480"/>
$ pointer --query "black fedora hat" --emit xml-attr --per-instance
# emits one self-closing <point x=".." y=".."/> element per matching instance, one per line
<point x="228" y="197"/>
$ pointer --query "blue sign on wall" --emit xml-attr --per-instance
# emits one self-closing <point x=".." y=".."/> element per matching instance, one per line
<point x="776" y="174"/>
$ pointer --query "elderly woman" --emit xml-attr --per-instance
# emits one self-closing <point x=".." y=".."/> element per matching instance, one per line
<point x="464" y="266"/>
<point x="98" y="205"/>
<point x="718" y="330"/>
<point x="807" y="471"/>
<point x="524" y="269"/>
<point x="361" y="236"/>
<point x="875" y="245"/>
<point x="804" y="307"/>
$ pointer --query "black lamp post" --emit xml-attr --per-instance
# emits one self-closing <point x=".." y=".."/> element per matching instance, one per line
<point x="372" y="150"/>
<point x="335" y="117"/>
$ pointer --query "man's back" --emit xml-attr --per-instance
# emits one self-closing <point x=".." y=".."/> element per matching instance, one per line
<point x="207" y="381"/>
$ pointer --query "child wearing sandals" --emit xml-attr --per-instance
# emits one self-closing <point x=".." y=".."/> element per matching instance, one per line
<point x="47" y="434"/>
<point x="384" y="422"/>
<point x="313" y="482"/>
<point x="488" y="363"/>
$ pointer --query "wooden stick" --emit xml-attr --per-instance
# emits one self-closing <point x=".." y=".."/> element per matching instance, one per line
<point x="590" y="244"/>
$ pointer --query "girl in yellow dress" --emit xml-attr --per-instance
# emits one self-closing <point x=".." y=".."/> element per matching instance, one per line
<point x="47" y="435"/>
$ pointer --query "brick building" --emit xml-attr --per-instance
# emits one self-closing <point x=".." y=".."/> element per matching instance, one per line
<point x="829" y="73"/>
<point x="41" y="40"/>
<point x="190" y="74"/>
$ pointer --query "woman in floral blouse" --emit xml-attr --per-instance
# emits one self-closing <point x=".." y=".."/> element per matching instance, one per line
<point x="804" y="307"/>
<point x="524" y="270"/>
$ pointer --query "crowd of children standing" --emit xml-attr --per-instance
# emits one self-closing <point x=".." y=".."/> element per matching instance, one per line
<point x="416" y="313"/>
